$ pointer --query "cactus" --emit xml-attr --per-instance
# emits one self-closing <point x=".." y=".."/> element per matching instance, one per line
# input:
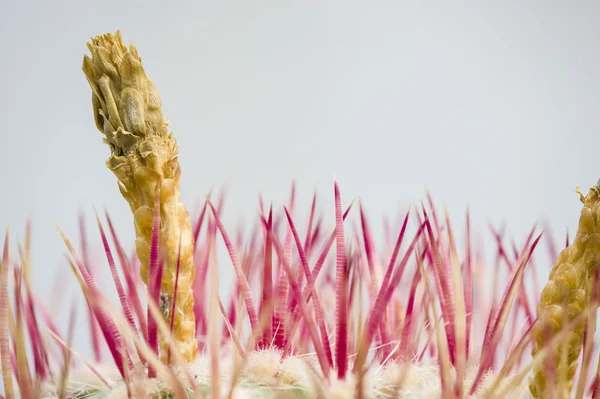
<point x="316" y="310"/>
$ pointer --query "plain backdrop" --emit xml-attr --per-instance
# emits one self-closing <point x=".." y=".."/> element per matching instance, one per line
<point x="488" y="104"/>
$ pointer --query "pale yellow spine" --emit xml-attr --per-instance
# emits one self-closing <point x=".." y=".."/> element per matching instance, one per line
<point x="144" y="158"/>
<point x="565" y="297"/>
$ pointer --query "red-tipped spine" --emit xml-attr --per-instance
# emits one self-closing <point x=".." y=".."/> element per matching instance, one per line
<point x="242" y="280"/>
<point x="409" y="320"/>
<point x="25" y="380"/>
<point x="341" y="291"/>
<point x="320" y="318"/>
<point x="295" y="289"/>
<point x="172" y="312"/>
<point x="130" y="279"/>
<point x="198" y="224"/>
<point x="40" y="353"/>
<point x="445" y="291"/>
<point x="115" y="276"/>
<point x="497" y="326"/>
<point x="307" y="293"/>
<point x="468" y="283"/>
<point x="5" y="350"/>
<point x="266" y="312"/>
<point x="384" y="295"/>
<point x="308" y="240"/>
<point x="369" y="253"/>
<point x="95" y="333"/>
<point x="153" y="280"/>
<point x="107" y="325"/>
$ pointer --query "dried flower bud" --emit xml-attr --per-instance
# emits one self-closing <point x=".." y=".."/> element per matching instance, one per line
<point x="566" y="296"/>
<point x="144" y="158"/>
